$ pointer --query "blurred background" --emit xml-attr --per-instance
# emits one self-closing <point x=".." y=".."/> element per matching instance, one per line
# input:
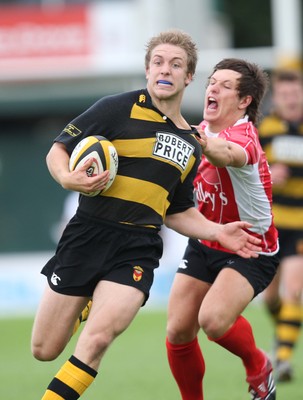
<point x="58" y="57"/>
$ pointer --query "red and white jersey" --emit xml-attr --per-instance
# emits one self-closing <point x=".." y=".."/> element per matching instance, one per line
<point x="238" y="194"/>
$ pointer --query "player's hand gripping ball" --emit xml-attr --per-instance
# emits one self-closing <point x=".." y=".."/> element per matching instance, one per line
<point x="105" y="158"/>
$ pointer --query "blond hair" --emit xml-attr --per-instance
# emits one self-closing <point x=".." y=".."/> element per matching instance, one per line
<point x="177" y="38"/>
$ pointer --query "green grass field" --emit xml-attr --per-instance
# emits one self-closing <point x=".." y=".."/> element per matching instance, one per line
<point x="135" y="367"/>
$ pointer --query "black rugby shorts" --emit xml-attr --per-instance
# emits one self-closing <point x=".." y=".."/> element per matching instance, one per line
<point x="89" y="252"/>
<point x="204" y="263"/>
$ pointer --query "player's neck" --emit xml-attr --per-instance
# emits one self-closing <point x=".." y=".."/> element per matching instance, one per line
<point x="173" y="112"/>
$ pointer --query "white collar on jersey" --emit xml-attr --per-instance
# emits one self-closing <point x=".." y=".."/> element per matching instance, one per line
<point x="240" y="121"/>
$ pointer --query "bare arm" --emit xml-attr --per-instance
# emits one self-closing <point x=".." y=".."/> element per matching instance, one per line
<point x="221" y="152"/>
<point x="57" y="161"/>
<point x="193" y="224"/>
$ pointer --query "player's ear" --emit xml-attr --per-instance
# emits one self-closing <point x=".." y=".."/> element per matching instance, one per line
<point x="147" y="73"/>
<point x="245" y="102"/>
<point x="188" y="79"/>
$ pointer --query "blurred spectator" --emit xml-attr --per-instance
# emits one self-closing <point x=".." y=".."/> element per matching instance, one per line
<point x="281" y="135"/>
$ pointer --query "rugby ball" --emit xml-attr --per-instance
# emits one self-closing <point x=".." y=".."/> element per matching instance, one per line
<point x="105" y="158"/>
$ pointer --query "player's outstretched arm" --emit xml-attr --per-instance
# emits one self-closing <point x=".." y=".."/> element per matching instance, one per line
<point x="231" y="236"/>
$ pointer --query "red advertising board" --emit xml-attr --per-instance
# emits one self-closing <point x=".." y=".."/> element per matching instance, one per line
<point x="49" y="36"/>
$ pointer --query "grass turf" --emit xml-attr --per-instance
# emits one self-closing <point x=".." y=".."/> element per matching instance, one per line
<point x="135" y="367"/>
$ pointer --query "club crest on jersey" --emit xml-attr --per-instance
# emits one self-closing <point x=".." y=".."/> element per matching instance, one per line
<point x="142" y="98"/>
<point x="137" y="273"/>
<point x="72" y="130"/>
<point x="173" y="148"/>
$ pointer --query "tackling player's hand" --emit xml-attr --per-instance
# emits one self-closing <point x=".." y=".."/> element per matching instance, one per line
<point x="233" y="237"/>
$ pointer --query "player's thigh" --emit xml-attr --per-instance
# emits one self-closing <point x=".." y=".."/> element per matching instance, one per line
<point x="292" y="278"/>
<point x="114" y="307"/>
<point x="55" y="318"/>
<point x="226" y="300"/>
<point x="184" y="302"/>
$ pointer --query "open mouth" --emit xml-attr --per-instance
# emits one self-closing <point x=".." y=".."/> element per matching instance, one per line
<point x="212" y="103"/>
<point x="164" y="82"/>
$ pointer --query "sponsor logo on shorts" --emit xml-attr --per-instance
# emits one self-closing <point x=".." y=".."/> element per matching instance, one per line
<point x="183" y="264"/>
<point x="137" y="273"/>
<point x="173" y="148"/>
<point x="72" y="130"/>
<point x="54" y="279"/>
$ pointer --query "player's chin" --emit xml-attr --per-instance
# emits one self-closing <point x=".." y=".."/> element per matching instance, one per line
<point x="165" y="90"/>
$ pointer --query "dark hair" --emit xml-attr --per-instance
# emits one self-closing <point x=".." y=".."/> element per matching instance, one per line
<point x="177" y="38"/>
<point x="253" y="82"/>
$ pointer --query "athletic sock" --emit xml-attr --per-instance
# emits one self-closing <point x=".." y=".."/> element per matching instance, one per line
<point x="274" y="309"/>
<point x="83" y="316"/>
<point x="240" y="341"/>
<point x="187" y="366"/>
<point x="77" y="325"/>
<point x="71" y="381"/>
<point x="288" y="330"/>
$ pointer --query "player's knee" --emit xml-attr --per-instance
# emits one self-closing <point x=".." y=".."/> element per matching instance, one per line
<point x="100" y="341"/>
<point x="174" y="336"/>
<point x="212" y="325"/>
<point x="43" y="352"/>
<point x="178" y="335"/>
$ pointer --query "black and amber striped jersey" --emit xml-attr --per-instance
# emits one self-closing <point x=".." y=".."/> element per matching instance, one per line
<point x="283" y="143"/>
<point x="157" y="160"/>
